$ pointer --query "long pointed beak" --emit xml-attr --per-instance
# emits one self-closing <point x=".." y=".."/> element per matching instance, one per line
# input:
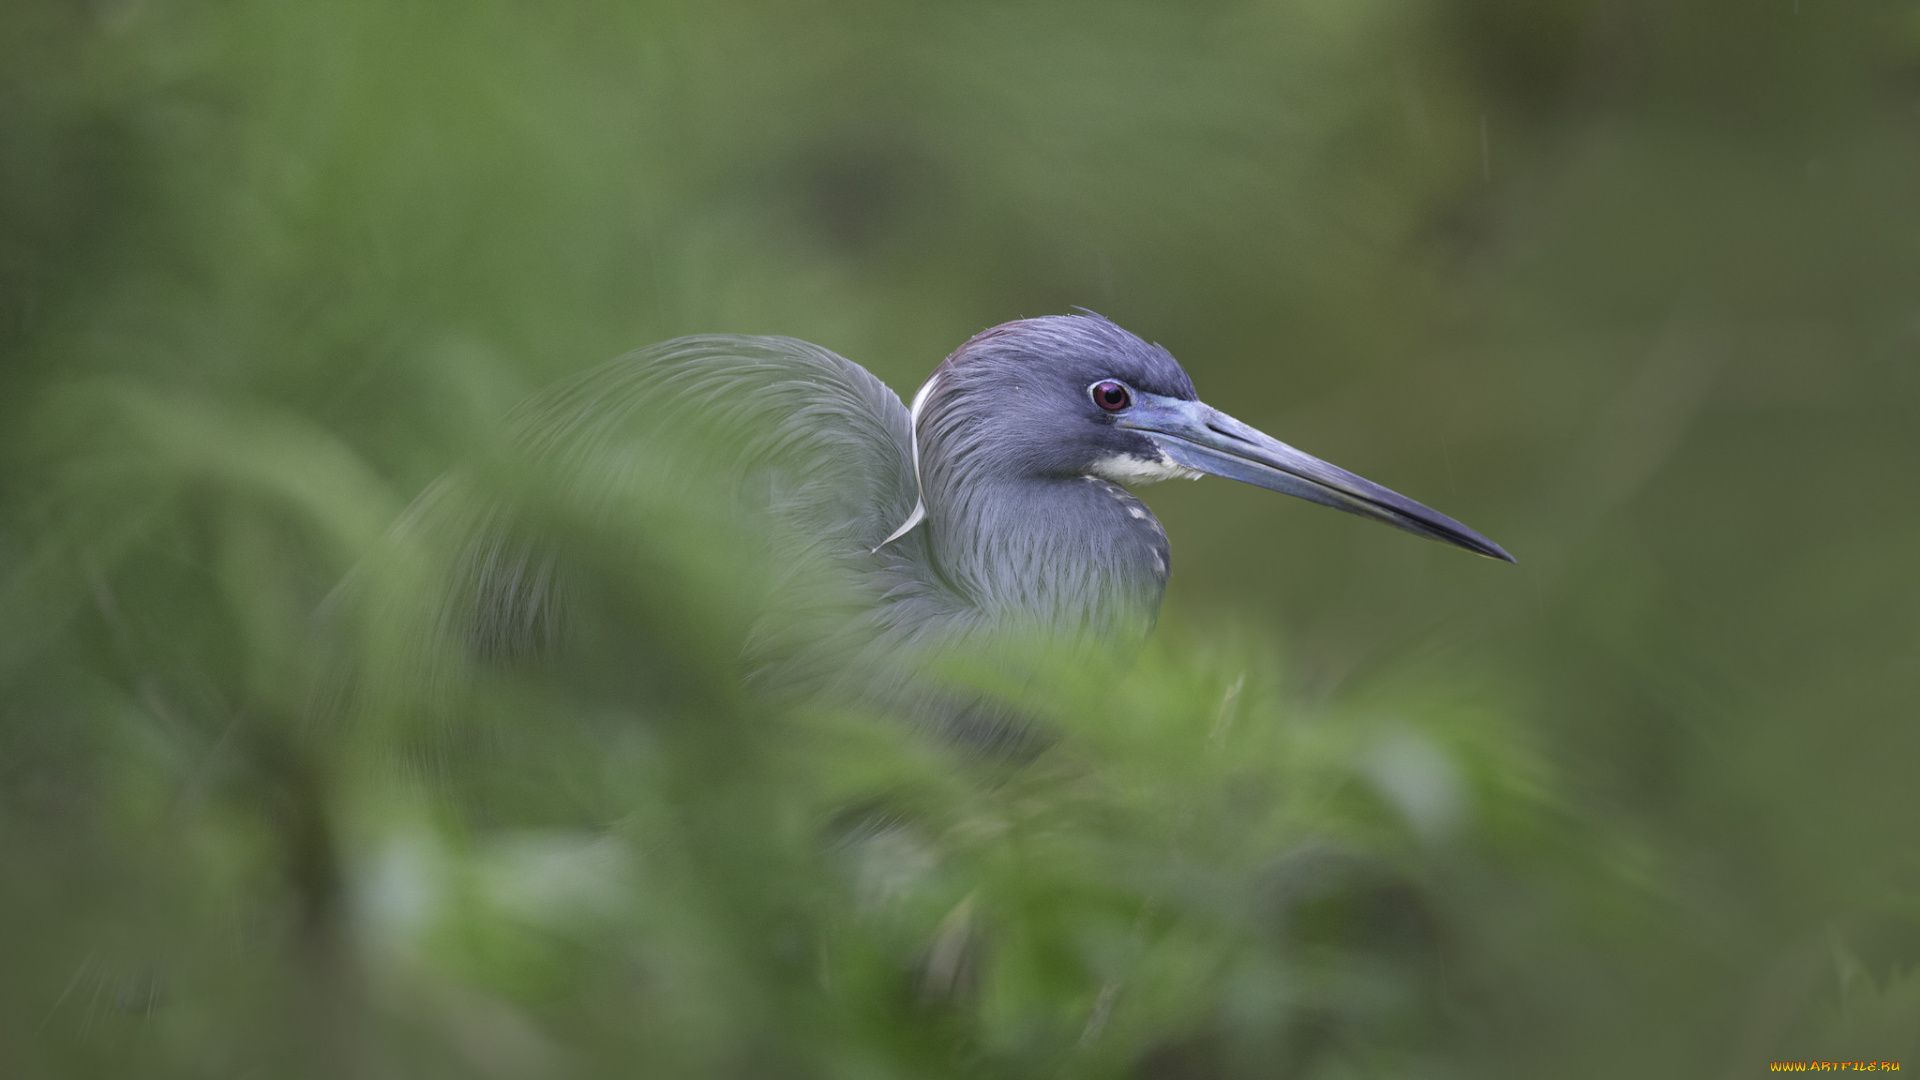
<point x="1197" y="436"/>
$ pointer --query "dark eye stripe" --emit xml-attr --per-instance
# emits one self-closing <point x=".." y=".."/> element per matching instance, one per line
<point x="1111" y="396"/>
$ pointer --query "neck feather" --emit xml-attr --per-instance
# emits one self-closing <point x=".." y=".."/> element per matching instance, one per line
<point x="1075" y="554"/>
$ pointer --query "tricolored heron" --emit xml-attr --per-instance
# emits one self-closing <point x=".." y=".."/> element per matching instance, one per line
<point x="998" y="501"/>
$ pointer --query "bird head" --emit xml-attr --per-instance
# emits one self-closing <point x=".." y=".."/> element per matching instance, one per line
<point x="1075" y="395"/>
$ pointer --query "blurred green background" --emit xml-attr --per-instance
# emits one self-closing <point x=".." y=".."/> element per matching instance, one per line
<point x="1633" y="287"/>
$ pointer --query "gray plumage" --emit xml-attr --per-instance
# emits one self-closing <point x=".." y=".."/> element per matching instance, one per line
<point x="994" y="509"/>
<point x="1024" y="516"/>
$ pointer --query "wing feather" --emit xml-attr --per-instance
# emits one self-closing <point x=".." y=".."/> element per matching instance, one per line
<point x="808" y="449"/>
<point x="831" y="443"/>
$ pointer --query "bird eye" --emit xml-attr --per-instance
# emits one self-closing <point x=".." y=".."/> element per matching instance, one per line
<point x="1111" y="396"/>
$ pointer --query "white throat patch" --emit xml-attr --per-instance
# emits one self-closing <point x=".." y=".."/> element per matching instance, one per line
<point x="1127" y="469"/>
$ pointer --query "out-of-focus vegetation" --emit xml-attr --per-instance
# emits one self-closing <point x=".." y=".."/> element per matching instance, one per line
<point x="1633" y="287"/>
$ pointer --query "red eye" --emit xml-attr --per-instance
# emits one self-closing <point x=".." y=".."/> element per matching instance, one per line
<point x="1111" y="396"/>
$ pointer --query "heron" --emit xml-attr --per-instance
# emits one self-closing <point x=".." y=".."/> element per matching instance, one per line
<point x="998" y="503"/>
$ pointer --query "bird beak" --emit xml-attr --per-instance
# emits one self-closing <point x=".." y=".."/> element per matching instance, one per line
<point x="1196" y="436"/>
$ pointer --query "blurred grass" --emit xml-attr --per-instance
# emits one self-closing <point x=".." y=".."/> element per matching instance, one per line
<point x="1631" y="287"/>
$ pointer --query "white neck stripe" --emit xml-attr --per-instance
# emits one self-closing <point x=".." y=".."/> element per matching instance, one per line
<point x="920" y="501"/>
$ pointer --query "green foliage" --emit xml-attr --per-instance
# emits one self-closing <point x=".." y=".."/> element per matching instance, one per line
<point x="1629" y="287"/>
